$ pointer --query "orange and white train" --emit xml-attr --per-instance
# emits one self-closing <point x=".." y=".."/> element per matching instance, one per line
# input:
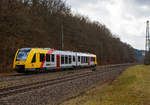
<point x="42" y="59"/>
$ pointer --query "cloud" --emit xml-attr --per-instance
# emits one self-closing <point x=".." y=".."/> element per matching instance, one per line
<point x="125" y="18"/>
<point x="80" y="3"/>
<point x="142" y="2"/>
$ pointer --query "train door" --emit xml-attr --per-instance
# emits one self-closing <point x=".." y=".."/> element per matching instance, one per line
<point x="34" y="61"/>
<point x="57" y="62"/>
<point x="88" y="61"/>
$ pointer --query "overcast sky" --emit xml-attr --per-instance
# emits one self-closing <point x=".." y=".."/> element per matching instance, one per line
<point x="125" y="18"/>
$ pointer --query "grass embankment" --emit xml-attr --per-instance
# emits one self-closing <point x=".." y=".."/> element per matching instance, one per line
<point x="130" y="88"/>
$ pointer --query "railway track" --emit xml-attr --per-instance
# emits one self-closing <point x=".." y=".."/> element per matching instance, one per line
<point x="37" y="74"/>
<point x="5" y="92"/>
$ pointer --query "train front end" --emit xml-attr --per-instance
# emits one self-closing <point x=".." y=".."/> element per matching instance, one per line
<point x="21" y="59"/>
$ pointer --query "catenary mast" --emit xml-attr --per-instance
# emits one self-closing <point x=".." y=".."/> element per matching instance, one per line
<point x="147" y="45"/>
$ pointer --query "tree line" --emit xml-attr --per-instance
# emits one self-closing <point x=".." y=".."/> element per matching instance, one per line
<point x="37" y="23"/>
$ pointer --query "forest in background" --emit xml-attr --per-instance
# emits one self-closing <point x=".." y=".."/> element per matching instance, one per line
<point x="37" y="23"/>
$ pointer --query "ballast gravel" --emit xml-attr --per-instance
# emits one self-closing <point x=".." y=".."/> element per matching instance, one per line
<point x="22" y="79"/>
<point x="56" y="94"/>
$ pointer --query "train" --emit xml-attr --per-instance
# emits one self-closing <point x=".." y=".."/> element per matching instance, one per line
<point x="45" y="59"/>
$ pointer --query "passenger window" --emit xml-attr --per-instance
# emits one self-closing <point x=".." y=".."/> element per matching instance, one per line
<point x="73" y="58"/>
<point x="62" y="59"/>
<point x="47" y="57"/>
<point x="78" y="58"/>
<point x="81" y="59"/>
<point x="42" y="57"/>
<point x="69" y="59"/>
<point x="86" y="59"/>
<point x="66" y="59"/>
<point x="34" y="58"/>
<point x="93" y="58"/>
<point x="53" y="58"/>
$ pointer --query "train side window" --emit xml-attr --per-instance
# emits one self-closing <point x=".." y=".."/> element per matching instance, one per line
<point x="47" y="57"/>
<point x="62" y="59"/>
<point x="93" y="58"/>
<point x="66" y="59"/>
<point x="42" y="57"/>
<point x="78" y="58"/>
<point x="86" y="59"/>
<point x="69" y="59"/>
<point x="52" y="58"/>
<point x="34" y="58"/>
<point x="82" y="59"/>
<point x="73" y="58"/>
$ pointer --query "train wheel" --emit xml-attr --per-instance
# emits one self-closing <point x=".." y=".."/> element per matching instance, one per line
<point x="93" y="69"/>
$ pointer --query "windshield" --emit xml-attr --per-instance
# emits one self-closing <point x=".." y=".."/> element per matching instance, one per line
<point x="22" y="54"/>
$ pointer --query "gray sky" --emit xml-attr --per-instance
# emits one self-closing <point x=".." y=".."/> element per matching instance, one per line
<point x="125" y="18"/>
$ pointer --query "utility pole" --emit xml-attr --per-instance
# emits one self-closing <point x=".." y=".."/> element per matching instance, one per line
<point x="147" y="45"/>
<point x="62" y="37"/>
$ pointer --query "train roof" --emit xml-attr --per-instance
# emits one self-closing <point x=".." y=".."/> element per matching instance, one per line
<point x="59" y="50"/>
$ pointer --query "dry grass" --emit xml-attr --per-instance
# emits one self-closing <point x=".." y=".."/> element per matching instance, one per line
<point x="131" y="88"/>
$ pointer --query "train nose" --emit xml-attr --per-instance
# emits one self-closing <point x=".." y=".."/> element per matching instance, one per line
<point x="20" y="63"/>
<point x="20" y="68"/>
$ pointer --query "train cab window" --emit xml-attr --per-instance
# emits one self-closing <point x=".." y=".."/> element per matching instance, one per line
<point x="78" y="58"/>
<point x="42" y="57"/>
<point x="62" y="59"/>
<point x="73" y="58"/>
<point x="66" y="59"/>
<point x="69" y="59"/>
<point x="34" y="58"/>
<point x="47" y="57"/>
<point x="52" y="58"/>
